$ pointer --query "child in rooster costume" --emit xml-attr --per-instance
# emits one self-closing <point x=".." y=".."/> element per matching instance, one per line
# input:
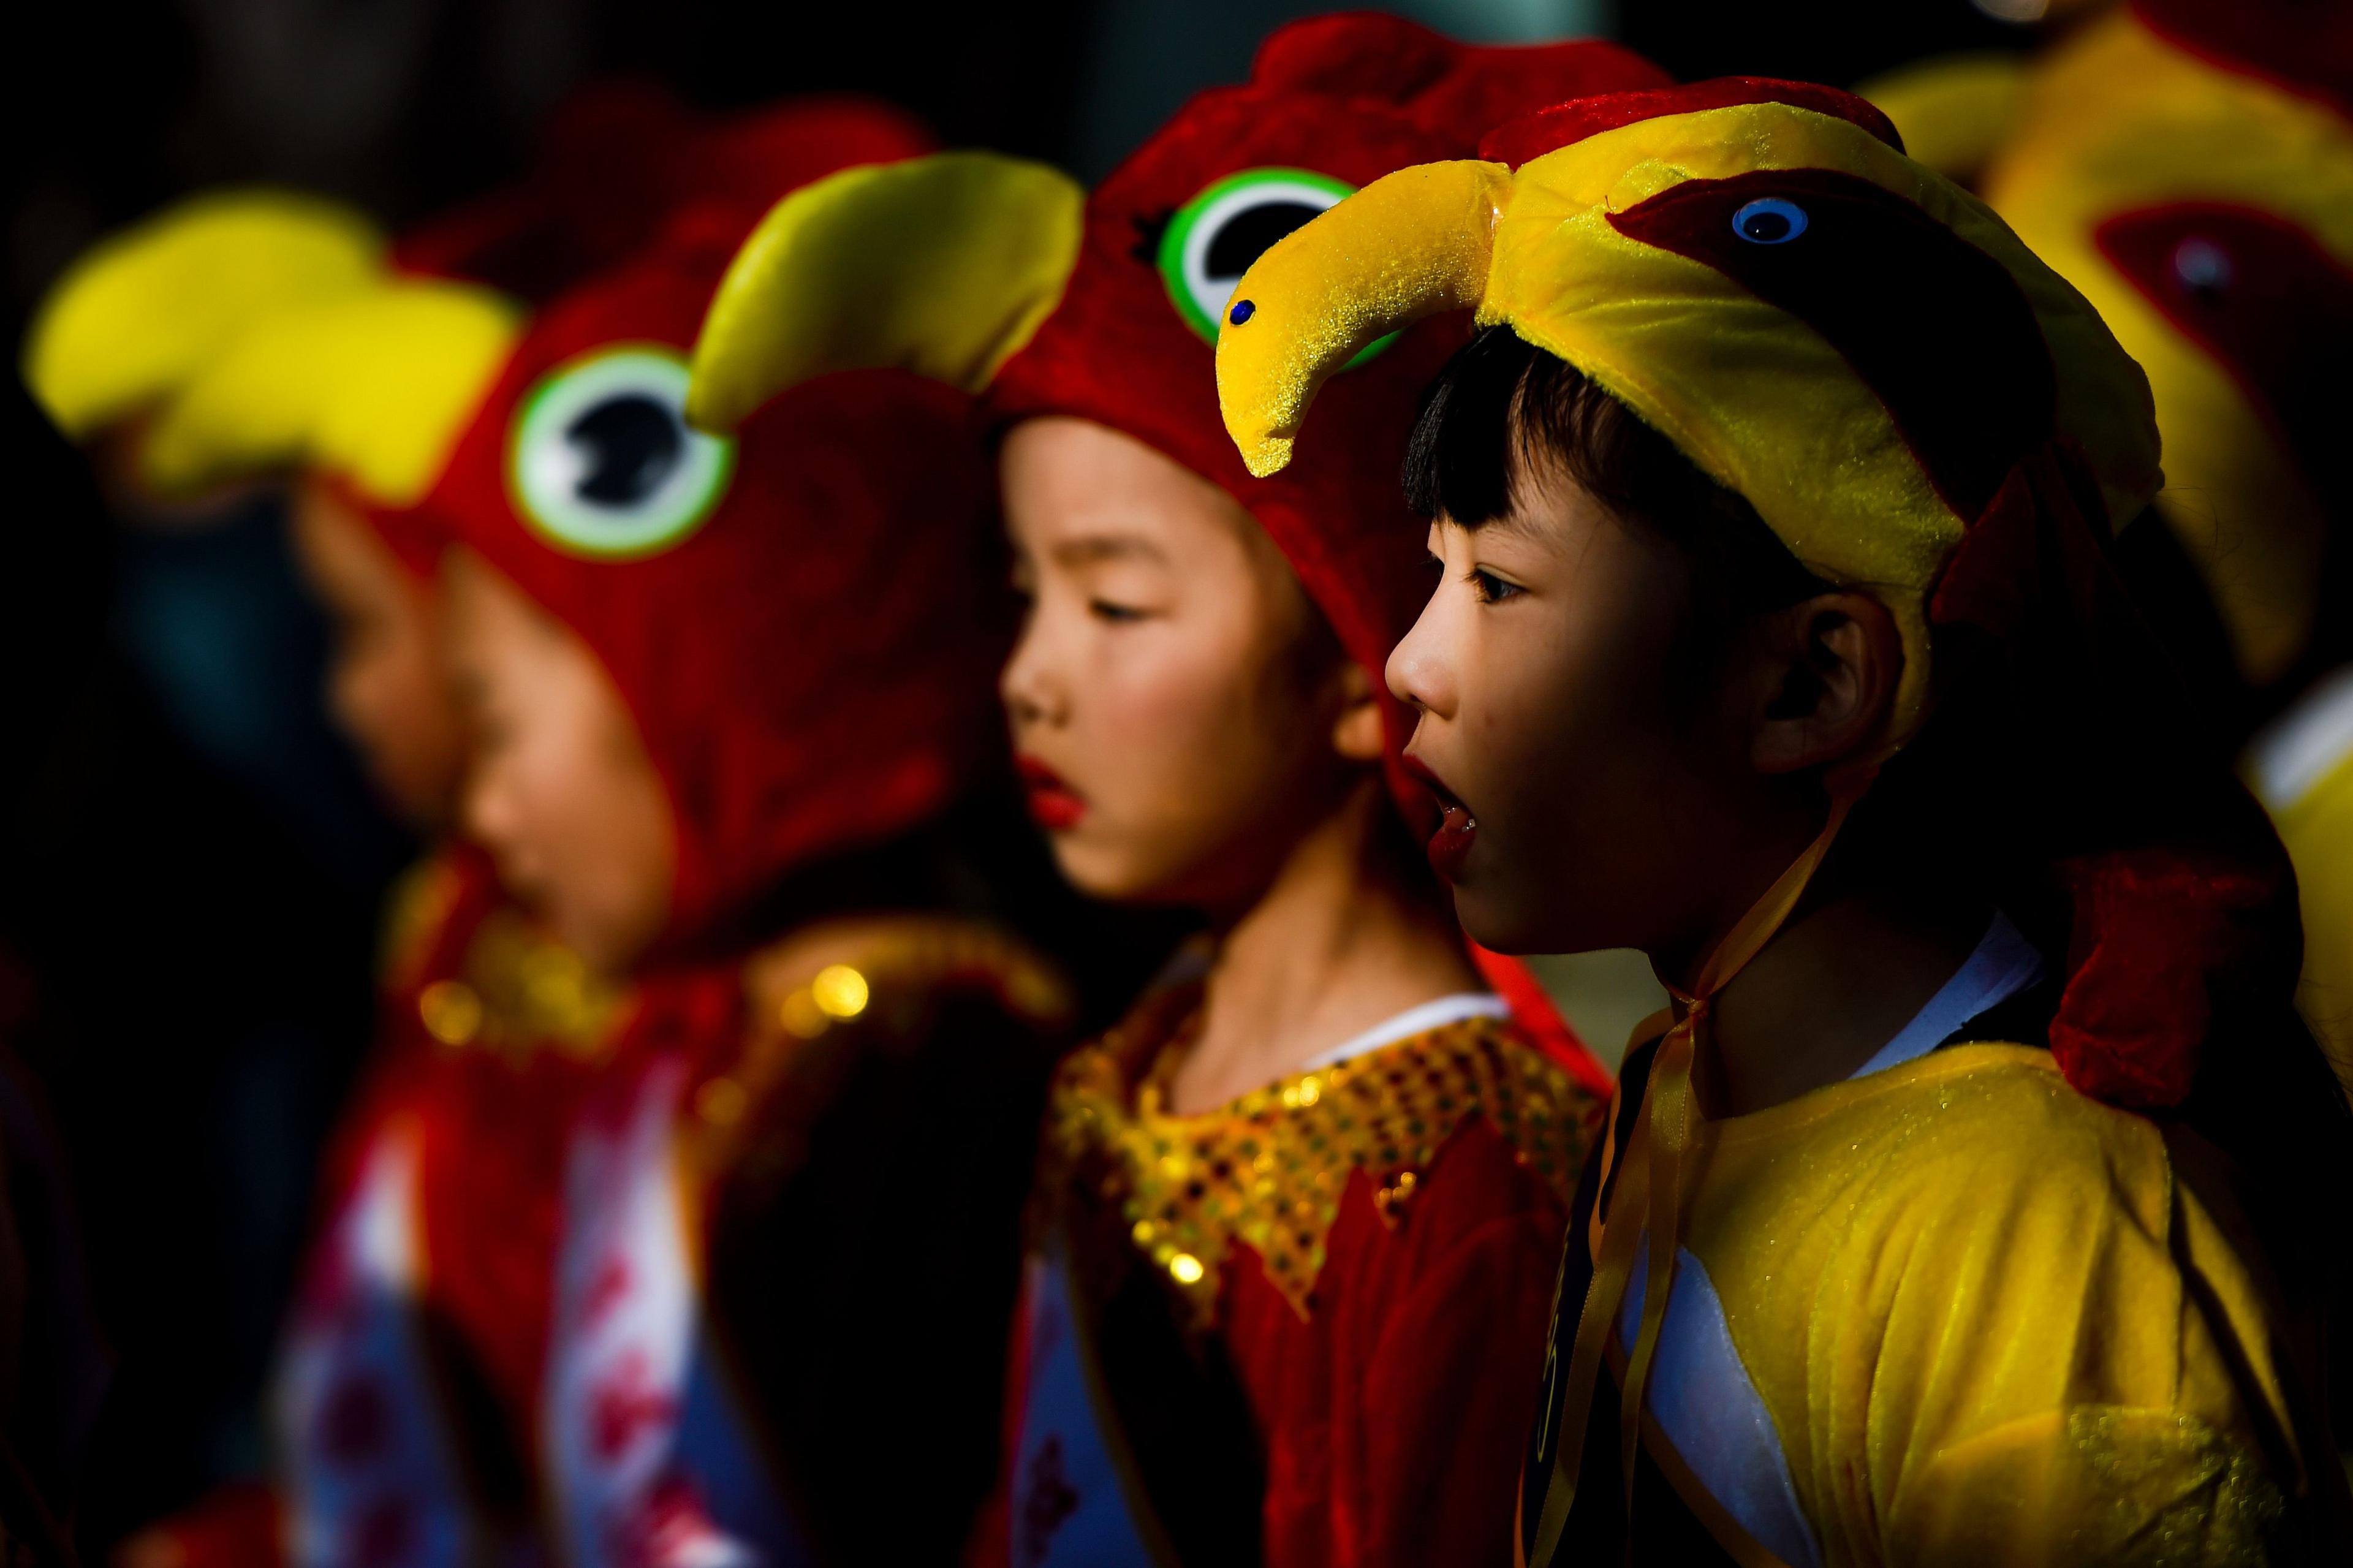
<point x="730" y="702"/>
<point x="190" y="345"/>
<point x="1954" y="1211"/>
<point x="2190" y="168"/>
<point x="255" y="334"/>
<point x="1296" y="1207"/>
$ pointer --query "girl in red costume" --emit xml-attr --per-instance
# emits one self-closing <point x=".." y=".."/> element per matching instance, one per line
<point x="405" y="1405"/>
<point x="1303" y="1200"/>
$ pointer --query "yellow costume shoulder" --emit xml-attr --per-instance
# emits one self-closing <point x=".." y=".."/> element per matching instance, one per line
<point x="1991" y="1322"/>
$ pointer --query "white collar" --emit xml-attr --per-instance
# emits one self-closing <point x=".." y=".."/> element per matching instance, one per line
<point x="2003" y="965"/>
<point x="2305" y="745"/>
<point x="1418" y="1020"/>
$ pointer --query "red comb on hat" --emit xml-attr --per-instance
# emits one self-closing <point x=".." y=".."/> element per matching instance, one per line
<point x="616" y="158"/>
<point x="1564" y="124"/>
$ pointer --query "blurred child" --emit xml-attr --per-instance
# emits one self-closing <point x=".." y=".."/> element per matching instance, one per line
<point x="1967" y="1205"/>
<point x="733" y="740"/>
<point x="2191" y="169"/>
<point x="1300" y="1200"/>
<point x="252" y="335"/>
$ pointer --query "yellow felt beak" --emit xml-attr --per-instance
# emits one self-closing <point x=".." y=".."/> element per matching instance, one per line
<point x="141" y="313"/>
<point x="945" y="266"/>
<point x="1408" y="246"/>
<point x="375" y="386"/>
<point x="258" y="331"/>
<point x="1954" y="112"/>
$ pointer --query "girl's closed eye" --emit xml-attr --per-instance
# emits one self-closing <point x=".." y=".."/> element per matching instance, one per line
<point x="1114" y="612"/>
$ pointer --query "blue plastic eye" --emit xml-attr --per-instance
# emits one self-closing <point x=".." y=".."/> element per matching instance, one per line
<point x="1769" y="220"/>
<point x="1243" y="310"/>
<point x="2202" y="267"/>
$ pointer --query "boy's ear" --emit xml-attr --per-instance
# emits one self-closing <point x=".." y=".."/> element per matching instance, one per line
<point x="1828" y="670"/>
<point x="1357" y="733"/>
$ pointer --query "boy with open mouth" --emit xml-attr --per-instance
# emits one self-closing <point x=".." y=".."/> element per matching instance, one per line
<point x="1968" y="1203"/>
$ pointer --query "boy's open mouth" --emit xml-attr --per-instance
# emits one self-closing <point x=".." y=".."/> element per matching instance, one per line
<point x="1449" y="846"/>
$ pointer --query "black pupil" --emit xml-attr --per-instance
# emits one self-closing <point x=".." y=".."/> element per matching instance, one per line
<point x="1243" y="237"/>
<point x="1767" y="226"/>
<point x="630" y="443"/>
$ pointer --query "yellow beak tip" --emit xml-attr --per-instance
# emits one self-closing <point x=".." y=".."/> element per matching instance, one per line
<point x="1268" y="458"/>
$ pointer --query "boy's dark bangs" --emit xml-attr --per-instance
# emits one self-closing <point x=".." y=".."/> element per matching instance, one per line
<point x="1461" y="462"/>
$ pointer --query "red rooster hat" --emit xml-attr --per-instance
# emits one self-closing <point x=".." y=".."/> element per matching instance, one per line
<point x="806" y="618"/>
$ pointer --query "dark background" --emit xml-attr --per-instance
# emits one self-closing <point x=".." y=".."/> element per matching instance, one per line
<point x="190" y="868"/>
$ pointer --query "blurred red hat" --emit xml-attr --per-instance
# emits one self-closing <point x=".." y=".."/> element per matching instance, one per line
<point x="805" y="619"/>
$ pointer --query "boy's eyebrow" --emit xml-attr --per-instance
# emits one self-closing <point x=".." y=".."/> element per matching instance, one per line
<point x="1513" y="521"/>
<point x="1089" y="549"/>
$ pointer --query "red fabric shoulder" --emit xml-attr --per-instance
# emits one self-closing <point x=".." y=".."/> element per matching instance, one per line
<point x="1393" y="1418"/>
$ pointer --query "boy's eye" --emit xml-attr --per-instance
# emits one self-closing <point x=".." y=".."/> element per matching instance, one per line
<point x="1118" y="613"/>
<point x="1491" y="589"/>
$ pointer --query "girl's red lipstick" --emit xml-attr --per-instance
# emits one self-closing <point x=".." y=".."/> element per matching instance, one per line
<point x="1053" y="805"/>
<point x="1449" y="846"/>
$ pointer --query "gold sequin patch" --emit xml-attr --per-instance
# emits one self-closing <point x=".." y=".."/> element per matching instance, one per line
<point x="1269" y="1170"/>
<point x="520" y="990"/>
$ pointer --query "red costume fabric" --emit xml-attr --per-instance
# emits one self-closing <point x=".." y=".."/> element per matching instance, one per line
<point x="1352" y="1424"/>
<point x="488" y="1036"/>
<point x="1310" y="1368"/>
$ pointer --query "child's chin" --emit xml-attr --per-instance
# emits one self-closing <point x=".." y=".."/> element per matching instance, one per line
<point x="1097" y="870"/>
<point x="1495" y="920"/>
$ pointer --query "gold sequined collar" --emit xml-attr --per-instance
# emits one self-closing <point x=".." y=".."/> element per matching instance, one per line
<point x="519" y="991"/>
<point x="1269" y="1169"/>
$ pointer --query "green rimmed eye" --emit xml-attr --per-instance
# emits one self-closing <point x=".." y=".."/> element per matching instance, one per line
<point x="601" y="462"/>
<point x="1214" y="238"/>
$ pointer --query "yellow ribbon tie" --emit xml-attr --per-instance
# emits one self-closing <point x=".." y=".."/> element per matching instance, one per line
<point x="1648" y="1198"/>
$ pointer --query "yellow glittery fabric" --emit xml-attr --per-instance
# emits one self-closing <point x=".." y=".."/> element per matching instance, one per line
<point x="1992" y="1323"/>
<point x="1268" y="1171"/>
<point x="1750" y="392"/>
<point x="2120" y="120"/>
